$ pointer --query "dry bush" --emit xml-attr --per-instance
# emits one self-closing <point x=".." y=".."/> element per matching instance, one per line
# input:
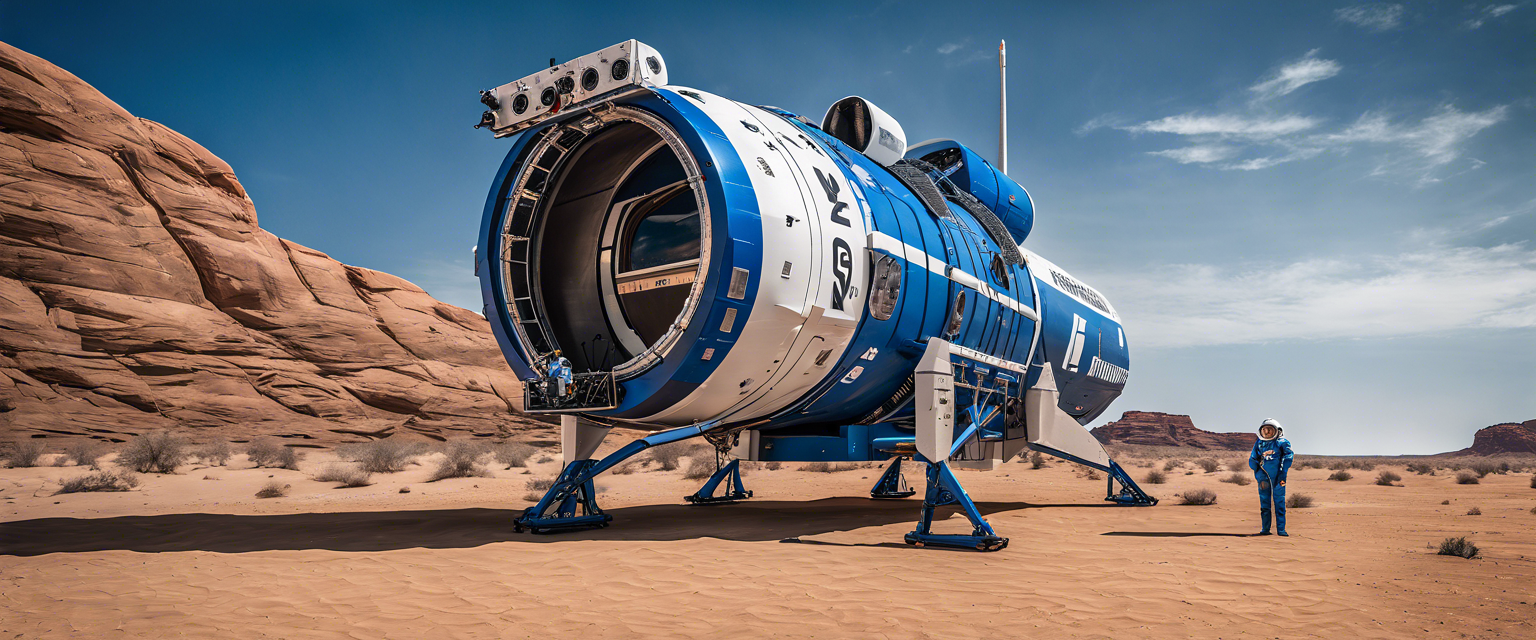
<point x="1466" y="477"/>
<point x="668" y="455"/>
<point x="623" y="469"/>
<point x="540" y="484"/>
<point x="1386" y="478"/>
<point x="1445" y="502"/>
<point x="1474" y="511"/>
<point x="461" y="459"/>
<point x="1421" y="468"/>
<point x="774" y="466"/>
<point x="1298" y="501"/>
<point x="85" y="453"/>
<point x="1239" y="479"/>
<point x="1200" y="496"/>
<point x="1092" y="475"/>
<point x="348" y="475"/>
<point x="1340" y="476"/>
<point x="533" y="496"/>
<point x="268" y="453"/>
<point x="699" y="468"/>
<point x="544" y="459"/>
<point x="154" y="452"/>
<point x="1362" y="465"/>
<point x="1483" y="467"/>
<point x="386" y="455"/>
<point x="516" y="454"/>
<point x="1238" y="464"/>
<point x="25" y="452"/>
<point x="1172" y="464"/>
<point x="1533" y="481"/>
<point x="1209" y="465"/>
<point x="1459" y="547"/>
<point x="1156" y="477"/>
<point x="274" y="489"/>
<point x="120" y="480"/>
<point x="828" y="467"/>
<point x="1036" y="460"/>
<point x="215" y="453"/>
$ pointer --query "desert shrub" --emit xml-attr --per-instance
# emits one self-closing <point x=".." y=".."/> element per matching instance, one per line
<point x="461" y="459"/>
<point x="1459" y="547"/>
<point x="1533" y="481"/>
<point x="1036" y="460"/>
<point x="540" y="484"/>
<point x="1421" y="468"/>
<point x="1239" y="464"/>
<point x="268" y="453"/>
<point x="1298" y="501"/>
<point x="154" y="452"/>
<point x="1172" y="464"/>
<point x="533" y="496"/>
<point x="1240" y="479"/>
<point x="1474" y="511"/>
<point x="121" y="480"/>
<point x="273" y="489"/>
<point x="1338" y="465"/>
<point x="214" y="454"/>
<point x="386" y="455"/>
<point x="772" y="466"/>
<point x="670" y="454"/>
<point x="699" y="468"/>
<point x="1362" y="465"/>
<point x="1156" y="477"/>
<point x="347" y="475"/>
<point x="1200" y="496"/>
<point x="623" y="469"/>
<point x="515" y="454"/>
<point x="828" y="467"/>
<point x="1483" y="467"/>
<point x="1466" y="477"/>
<point x="1386" y="478"/>
<point x="1092" y="475"/>
<point x="85" y="453"/>
<point x="1209" y="465"/>
<point x="1340" y="476"/>
<point x="1445" y="502"/>
<point x="25" y="452"/>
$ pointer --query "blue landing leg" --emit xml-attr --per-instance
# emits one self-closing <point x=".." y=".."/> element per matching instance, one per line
<point x="943" y="489"/>
<point x="891" y="485"/>
<point x="569" y="505"/>
<point x="734" y="489"/>
<point x="1130" y="495"/>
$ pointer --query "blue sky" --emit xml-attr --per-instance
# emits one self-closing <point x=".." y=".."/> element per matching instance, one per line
<point x="1318" y="212"/>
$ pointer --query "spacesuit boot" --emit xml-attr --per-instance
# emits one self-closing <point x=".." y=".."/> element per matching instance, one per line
<point x="1264" y="515"/>
<point x="1278" y="494"/>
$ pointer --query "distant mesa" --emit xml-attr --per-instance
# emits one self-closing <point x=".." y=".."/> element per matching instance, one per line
<point x="138" y="292"/>
<point x="1506" y="438"/>
<point x="1168" y="430"/>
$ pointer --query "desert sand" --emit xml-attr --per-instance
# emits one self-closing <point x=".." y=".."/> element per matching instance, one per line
<point x="196" y="555"/>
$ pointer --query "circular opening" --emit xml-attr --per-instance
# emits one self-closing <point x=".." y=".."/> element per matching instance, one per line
<point x="520" y="103"/>
<point x="589" y="79"/>
<point x="565" y="84"/>
<point x="547" y="97"/>
<point x="620" y="243"/>
<point x="654" y="64"/>
<point x="620" y="69"/>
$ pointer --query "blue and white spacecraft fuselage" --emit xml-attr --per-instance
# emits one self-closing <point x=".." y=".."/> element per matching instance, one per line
<point x="743" y="272"/>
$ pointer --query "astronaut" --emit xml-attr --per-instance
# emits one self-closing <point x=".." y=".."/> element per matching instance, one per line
<point x="1271" y="461"/>
<point x="559" y="374"/>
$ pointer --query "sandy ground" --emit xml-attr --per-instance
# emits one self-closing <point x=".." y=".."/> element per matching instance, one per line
<point x="196" y="555"/>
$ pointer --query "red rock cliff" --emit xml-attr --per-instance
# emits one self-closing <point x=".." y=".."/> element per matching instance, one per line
<point x="1510" y="437"/>
<point x="1168" y="430"/>
<point x="137" y="292"/>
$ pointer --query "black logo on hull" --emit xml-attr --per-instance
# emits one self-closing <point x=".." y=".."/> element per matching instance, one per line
<point x="842" y="268"/>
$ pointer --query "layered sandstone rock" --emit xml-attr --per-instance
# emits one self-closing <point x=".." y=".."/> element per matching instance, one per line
<point x="1506" y="438"/>
<point x="137" y="292"/>
<point x="1168" y="430"/>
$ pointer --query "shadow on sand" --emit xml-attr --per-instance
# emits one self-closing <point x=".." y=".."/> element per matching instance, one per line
<point x="753" y="521"/>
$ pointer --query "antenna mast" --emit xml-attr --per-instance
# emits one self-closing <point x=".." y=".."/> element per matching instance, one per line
<point x="1002" y="113"/>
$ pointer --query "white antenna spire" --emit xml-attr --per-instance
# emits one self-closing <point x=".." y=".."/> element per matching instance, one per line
<point x="1002" y="117"/>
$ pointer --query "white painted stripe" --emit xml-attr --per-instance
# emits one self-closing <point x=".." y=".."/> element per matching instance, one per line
<point x="882" y="242"/>
<point x="966" y="352"/>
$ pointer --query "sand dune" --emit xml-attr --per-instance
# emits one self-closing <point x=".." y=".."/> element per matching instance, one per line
<point x="194" y="557"/>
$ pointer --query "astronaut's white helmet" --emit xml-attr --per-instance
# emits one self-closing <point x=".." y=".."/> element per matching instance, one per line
<point x="1279" y="430"/>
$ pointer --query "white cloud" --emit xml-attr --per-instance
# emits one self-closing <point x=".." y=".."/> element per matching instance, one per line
<point x="1226" y="125"/>
<point x="1488" y="13"/>
<point x="1197" y="154"/>
<point x="1434" y="290"/>
<point x="1376" y="17"/>
<point x="949" y="47"/>
<point x="1437" y="139"/>
<point x="1255" y="164"/>
<point x="1307" y="70"/>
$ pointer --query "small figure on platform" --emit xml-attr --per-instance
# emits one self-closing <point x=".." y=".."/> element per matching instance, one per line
<point x="559" y="374"/>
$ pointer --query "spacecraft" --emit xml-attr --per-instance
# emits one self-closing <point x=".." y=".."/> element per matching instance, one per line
<point x="664" y="258"/>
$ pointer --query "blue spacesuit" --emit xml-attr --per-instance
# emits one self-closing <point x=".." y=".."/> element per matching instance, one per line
<point x="560" y="373"/>
<point x="1271" y="461"/>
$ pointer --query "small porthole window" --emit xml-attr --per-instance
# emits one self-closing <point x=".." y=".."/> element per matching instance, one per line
<point x="956" y="316"/>
<point x="1000" y="270"/>
<point x="886" y="288"/>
